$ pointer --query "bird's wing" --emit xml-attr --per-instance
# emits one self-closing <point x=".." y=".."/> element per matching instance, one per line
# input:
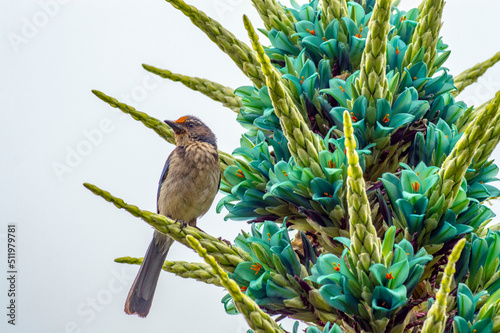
<point x="162" y="179"/>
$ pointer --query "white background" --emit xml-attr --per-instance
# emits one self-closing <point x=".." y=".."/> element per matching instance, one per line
<point x="67" y="237"/>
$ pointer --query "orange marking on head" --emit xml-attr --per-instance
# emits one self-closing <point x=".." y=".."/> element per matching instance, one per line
<point x="181" y="120"/>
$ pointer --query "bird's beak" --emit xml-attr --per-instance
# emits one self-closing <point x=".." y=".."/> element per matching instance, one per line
<point x="176" y="127"/>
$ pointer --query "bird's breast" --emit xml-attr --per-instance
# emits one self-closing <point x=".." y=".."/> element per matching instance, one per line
<point x="191" y="183"/>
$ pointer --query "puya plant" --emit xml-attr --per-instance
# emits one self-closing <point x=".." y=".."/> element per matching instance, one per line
<point x="363" y="177"/>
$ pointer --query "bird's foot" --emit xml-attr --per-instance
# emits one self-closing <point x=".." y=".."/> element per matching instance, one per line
<point x="182" y="223"/>
<point x="225" y="241"/>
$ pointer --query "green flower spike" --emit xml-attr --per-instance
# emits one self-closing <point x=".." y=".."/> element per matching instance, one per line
<point x="274" y="16"/>
<point x="372" y="82"/>
<point x="437" y="315"/>
<point x="426" y="35"/>
<point x="489" y="140"/>
<point x="303" y="143"/>
<point x="193" y="270"/>
<point x="214" y="90"/>
<point x="158" y="126"/>
<point x="469" y="76"/>
<point x="365" y="245"/>
<point x="227" y="256"/>
<point x="469" y="115"/>
<point x="334" y="9"/>
<point x="454" y="168"/>
<point x="241" y="54"/>
<point x="258" y="320"/>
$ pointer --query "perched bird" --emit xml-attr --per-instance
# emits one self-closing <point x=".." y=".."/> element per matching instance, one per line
<point x="188" y="184"/>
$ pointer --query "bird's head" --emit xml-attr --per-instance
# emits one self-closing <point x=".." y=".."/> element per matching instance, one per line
<point x="190" y="129"/>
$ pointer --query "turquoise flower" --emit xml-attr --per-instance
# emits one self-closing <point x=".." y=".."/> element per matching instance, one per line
<point x="407" y="194"/>
<point x="466" y="320"/>
<point x="337" y="282"/>
<point x="479" y="188"/>
<point x="437" y="143"/>
<point x="385" y="301"/>
<point x="403" y="24"/>
<point x="271" y="251"/>
<point x="329" y="328"/>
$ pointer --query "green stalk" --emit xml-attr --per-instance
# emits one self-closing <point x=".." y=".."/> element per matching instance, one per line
<point x="333" y="9"/>
<point x="258" y="320"/>
<point x="372" y="82"/>
<point x="191" y="270"/>
<point x="238" y="51"/>
<point x="454" y="168"/>
<point x="158" y="126"/>
<point x="469" y="76"/>
<point x="468" y="117"/>
<point x="426" y="34"/>
<point x="488" y="142"/>
<point x="438" y="313"/>
<point x="365" y="245"/>
<point x="303" y="143"/>
<point x="213" y="90"/>
<point x="274" y="16"/>
<point x="227" y="256"/>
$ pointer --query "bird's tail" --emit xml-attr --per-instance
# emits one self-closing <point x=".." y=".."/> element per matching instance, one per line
<point x="141" y="293"/>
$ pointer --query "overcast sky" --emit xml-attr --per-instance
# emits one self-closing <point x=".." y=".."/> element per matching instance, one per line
<point x="55" y="135"/>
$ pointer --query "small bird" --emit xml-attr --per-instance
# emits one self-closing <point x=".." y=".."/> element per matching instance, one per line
<point x="188" y="185"/>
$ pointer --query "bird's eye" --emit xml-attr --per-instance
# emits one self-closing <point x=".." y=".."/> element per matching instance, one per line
<point x="190" y="124"/>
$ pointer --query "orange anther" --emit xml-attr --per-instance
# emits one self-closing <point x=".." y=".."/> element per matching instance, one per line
<point x="256" y="267"/>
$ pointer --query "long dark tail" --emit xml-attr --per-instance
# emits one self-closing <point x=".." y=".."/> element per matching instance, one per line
<point x="141" y="293"/>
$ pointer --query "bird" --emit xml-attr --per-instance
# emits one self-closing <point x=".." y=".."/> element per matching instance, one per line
<point x="187" y="187"/>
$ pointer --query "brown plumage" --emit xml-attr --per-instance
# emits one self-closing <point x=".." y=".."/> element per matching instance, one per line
<point x="188" y="185"/>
